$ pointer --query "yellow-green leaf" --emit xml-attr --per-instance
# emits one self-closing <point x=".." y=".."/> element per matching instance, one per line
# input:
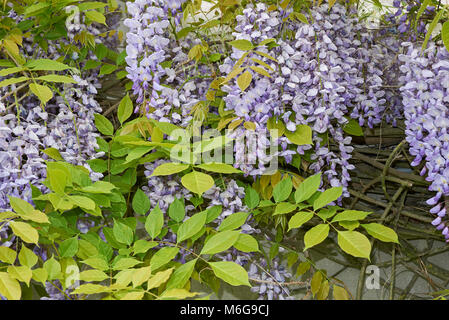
<point x="316" y="235"/>
<point x="159" y="278"/>
<point x="44" y="93"/>
<point x="354" y="243"/>
<point x="299" y="219"/>
<point x="381" y="232"/>
<point x="141" y="275"/>
<point x="25" y="231"/>
<point x="244" y="80"/>
<point x="96" y="16"/>
<point x="170" y="168"/>
<point x="9" y="287"/>
<point x="7" y="255"/>
<point x="230" y="272"/>
<point x="197" y="182"/>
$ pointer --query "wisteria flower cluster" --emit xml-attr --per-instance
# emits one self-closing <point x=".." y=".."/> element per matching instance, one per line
<point x="95" y="201"/>
<point x="425" y="99"/>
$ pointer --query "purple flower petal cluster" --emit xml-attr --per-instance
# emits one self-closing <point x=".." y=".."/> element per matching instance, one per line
<point x="330" y="71"/>
<point x="271" y="285"/>
<point x="404" y="18"/>
<point x="425" y="96"/>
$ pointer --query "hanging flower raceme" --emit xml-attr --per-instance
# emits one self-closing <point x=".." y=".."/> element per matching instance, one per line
<point x="425" y="96"/>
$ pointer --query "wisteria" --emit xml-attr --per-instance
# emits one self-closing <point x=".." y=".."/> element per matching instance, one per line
<point x="425" y="99"/>
<point x="169" y="149"/>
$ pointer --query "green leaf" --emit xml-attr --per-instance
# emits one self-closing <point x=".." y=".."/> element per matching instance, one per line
<point x="181" y="275"/>
<point x="430" y="29"/>
<point x="213" y="212"/>
<point x="230" y="272"/>
<point x="327" y="213"/>
<point x="40" y="275"/>
<point x="177" y="294"/>
<point x="445" y="34"/>
<point x="58" y="180"/>
<point x="220" y="242"/>
<point x="20" y="206"/>
<point x="340" y="293"/>
<point x="47" y="65"/>
<point x="93" y="275"/>
<point x="244" y="80"/>
<point x="8" y="255"/>
<point x="349" y="225"/>
<point x="53" y="268"/>
<point x="154" y="222"/>
<point x="162" y="257"/>
<point x="107" y="68"/>
<point x="99" y="187"/>
<point x="56" y="78"/>
<point x="218" y="167"/>
<point x="104" y="125"/>
<point x="299" y="219"/>
<point x="284" y="207"/>
<point x="243" y="45"/>
<point x="316" y="235"/>
<point x="191" y="226"/>
<point x="97" y="263"/>
<point x="98" y="165"/>
<point x="142" y="246"/>
<point x="123" y="233"/>
<point x="68" y="248"/>
<point x="141" y="275"/>
<point x="354" y="243"/>
<point x="261" y="71"/>
<point x="303" y="267"/>
<point x="233" y="221"/>
<point x="8" y="71"/>
<point x="315" y="284"/>
<point x="353" y="128"/>
<point x="323" y="293"/>
<point x="125" y="263"/>
<point x="177" y="211"/>
<point x="307" y="188"/>
<point x="381" y="232"/>
<point x="53" y="153"/>
<point x="90" y="288"/>
<point x="44" y="93"/>
<point x="36" y="8"/>
<point x="27" y="257"/>
<point x="91" y="64"/>
<point x="96" y="16"/>
<point x="24" y="231"/>
<point x="246" y="243"/>
<point x="423" y="7"/>
<point x="301" y="136"/>
<point x="125" y="109"/>
<point x="327" y="197"/>
<point x="21" y="273"/>
<point x="83" y="202"/>
<point x="282" y="190"/>
<point x="170" y="168"/>
<point x="251" y="198"/>
<point x="11" y="81"/>
<point x="141" y="203"/>
<point x="159" y="278"/>
<point x="9" y="287"/>
<point x="301" y="17"/>
<point x="350" y="215"/>
<point x="197" y="182"/>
